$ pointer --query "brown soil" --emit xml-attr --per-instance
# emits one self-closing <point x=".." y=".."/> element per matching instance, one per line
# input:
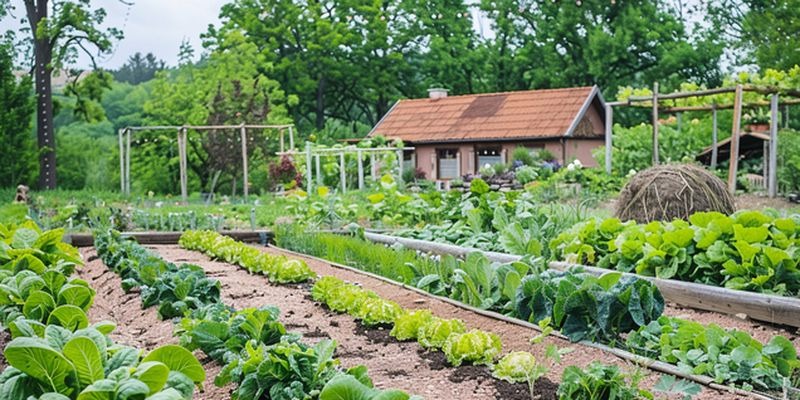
<point x="137" y="327"/>
<point x="395" y="364"/>
<point x="5" y="337"/>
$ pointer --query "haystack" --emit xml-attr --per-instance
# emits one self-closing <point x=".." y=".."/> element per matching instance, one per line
<point x="666" y="192"/>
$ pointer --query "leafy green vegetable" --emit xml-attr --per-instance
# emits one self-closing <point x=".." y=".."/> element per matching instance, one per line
<point x="519" y="366"/>
<point x="475" y="346"/>
<point x="599" y="381"/>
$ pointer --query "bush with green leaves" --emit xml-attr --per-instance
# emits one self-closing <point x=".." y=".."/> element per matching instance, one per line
<point x="526" y="174"/>
<point x="749" y="250"/>
<point x="174" y="289"/>
<point x="586" y="307"/>
<point x="729" y="356"/>
<point x="278" y="269"/>
<point x="475" y="346"/>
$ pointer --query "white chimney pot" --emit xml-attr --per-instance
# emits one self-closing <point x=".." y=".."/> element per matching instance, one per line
<point x="437" y="93"/>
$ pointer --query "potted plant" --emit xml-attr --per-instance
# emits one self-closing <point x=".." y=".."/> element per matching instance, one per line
<point x="756" y="121"/>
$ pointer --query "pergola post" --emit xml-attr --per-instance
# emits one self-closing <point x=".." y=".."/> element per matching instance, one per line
<point x="360" y="170"/>
<point x="308" y="166"/>
<point x="182" y="138"/>
<point x="609" y="128"/>
<point x="735" y="133"/>
<point x="373" y="168"/>
<point x="342" y="175"/>
<point x="400" y="166"/>
<point x="282" y="146"/>
<point x="120" y="133"/>
<point x="128" y="165"/>
<point x="772" y="184"/>
<point x="714" y="136"/>
<point x="291" y="137"/>
<point x="243" y="131"/>
<point x="655" y="123"/>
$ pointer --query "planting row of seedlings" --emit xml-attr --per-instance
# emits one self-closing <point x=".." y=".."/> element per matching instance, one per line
<point x="621" y="311"/>
<point x="459" y="346"/>
<point x="256" y="352"/>
<point x="54" y="352"/>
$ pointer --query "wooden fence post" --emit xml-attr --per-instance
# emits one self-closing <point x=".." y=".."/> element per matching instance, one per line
<point x="243" y="131"/>
<point x="714" y="136"/>
<point x="735" y="133"/>
<point x="308" y="166"/>
<point x="772" y="184"/>
<point x="400" y="167"/>
<point x="319" y="170"/>
<point x="182" y="139"/>
<point x="291" y="137"/>
<point x="128" y="165"/>
<point x="655" y="123"/>
<point x="609" y="128"/>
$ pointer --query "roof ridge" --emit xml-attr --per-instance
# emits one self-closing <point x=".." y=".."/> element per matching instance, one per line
<point x="500" y="93"/>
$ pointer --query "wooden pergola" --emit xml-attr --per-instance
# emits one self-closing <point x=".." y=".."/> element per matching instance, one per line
<point x="737" y="106"/>
<point x="125" y="149"/>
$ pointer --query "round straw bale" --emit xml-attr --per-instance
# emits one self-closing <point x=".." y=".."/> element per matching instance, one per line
<point x="666" y="192"/>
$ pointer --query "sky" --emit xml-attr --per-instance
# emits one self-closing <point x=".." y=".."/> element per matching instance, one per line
<point x="156" y="26"/>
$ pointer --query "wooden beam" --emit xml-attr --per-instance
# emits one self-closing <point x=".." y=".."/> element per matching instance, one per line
<point x="128" y="166"/>
<point x="319" y="170"/>
<point x="360" y="170"/>
<point x="735" y="133"/>
<point x="655" y="124"/>
<point x="342" y="174"/>
<point x="772" y="167"/>
<point x="154" y="238"/>
<point x="680" y="95"/>
<point x="308" y="167"/>
<point x="609" y="129"/>
<point x="120" y="134"/>
<point x="183" y="164"/>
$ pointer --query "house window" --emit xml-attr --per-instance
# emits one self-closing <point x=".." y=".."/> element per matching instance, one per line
<point x="447" y="161"/>
<point x="488" y="156"/>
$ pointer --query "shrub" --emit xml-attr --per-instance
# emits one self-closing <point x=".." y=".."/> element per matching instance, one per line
<point x="523" y="155"/>
<point x="526" y="174"/>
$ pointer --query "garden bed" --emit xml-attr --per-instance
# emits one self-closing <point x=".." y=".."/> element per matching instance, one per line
<point x="393" y="364"/>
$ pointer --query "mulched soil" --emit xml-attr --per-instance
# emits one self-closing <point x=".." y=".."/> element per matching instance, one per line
<point x="402" y="365"/>
<point x="137" y="327"/>
<point x="5" y="337"/>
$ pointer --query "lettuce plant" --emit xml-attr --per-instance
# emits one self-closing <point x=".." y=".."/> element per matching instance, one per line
<point x="519" y="367"/>
<point x="408" y="324"/>
<point x="599" y="381"/>
<point x="475" y="346"/>
<point x="435" y="332"/>
<point x="347" y="387"/>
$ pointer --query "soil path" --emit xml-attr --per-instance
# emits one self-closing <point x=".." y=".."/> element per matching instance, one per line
<point x="392" y="364"/>
<point x="135" y="326"/>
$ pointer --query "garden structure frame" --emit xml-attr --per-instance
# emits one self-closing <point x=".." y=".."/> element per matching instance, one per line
<point x="341" y="152"/>
<point x="657" y="98"/>
<point x="181" y="131"/>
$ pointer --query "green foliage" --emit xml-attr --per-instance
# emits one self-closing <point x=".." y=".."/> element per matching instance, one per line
<point x="749" y="250"/>
<point x="519" y="367"/>
<point x="729" y="356"/>
<point x="585" y="307"/>
<point x="278" y="269"/>
<point x="176" y="290"/>
<point x="523" y="156"/>
<point x="526" y="174"/>
<point x="599" y="381"/>
<point x="434" y="333"/>
<point x="348" y="387"/>
<point x="139" y="68"/>
<point x="364" y="305"/>
<point x="16" y="111"/>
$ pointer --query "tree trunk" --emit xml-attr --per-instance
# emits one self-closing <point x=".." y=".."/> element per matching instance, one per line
<point x="43" y="53"/>
<point x="320" y="123"/>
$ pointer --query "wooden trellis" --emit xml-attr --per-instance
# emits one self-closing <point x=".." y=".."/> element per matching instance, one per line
<point x="313" y="155"/>
<point x="737" y="107"/>
<point x="125" y="149"/>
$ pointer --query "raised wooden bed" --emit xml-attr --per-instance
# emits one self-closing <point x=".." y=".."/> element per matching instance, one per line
<point x="758" y="306"/>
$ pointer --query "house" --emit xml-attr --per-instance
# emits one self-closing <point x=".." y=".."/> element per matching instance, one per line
<point x="456" y="135"/>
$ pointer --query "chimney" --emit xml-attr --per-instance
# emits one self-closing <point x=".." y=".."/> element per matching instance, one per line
<point x="437" y="93"/>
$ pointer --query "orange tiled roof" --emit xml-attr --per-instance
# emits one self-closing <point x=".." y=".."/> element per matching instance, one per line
<point x="491" y="116"/>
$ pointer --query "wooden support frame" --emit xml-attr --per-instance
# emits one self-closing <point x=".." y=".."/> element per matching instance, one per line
<point x="772" y="165"/>
<point x="736" y="131"/>
<point x="714" y="137"/>
<point x="608" y="134"/>
<point x="655" y="123"/>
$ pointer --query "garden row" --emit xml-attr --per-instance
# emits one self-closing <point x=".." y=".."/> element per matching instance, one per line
<point x="623" y="311"/>
<point x="55" y="353"/>
<point x="252" y="345"/>
<point x="459" y="345"/>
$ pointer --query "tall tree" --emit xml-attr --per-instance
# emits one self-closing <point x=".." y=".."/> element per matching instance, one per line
<point x="16" y="139"/>
<point x="139" y="68"/>
<point x="59" y="31"/>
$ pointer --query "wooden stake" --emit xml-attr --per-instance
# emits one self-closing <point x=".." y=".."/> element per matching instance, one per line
<point x="308" y="166"/>
<point x="128" y="166"/>
<point x="291" y="138"/>
<point x="655" y="124"/>
<point x="609" y="128"/>
<point x="183" y="164"/>
<point x="772" y="183"/>
<point x="735" y="133"/>
<point x="400" y="167"/>
<point x="714" y="136"/>
<point x="319" y="171"/>
<point x="243" y="131"/>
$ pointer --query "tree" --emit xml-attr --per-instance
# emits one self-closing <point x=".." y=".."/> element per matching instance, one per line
<point x="598" y="42"/>
<point x="59" y="31"/>
<point x="139" y="69"/>
<point x="16" y="109"/>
